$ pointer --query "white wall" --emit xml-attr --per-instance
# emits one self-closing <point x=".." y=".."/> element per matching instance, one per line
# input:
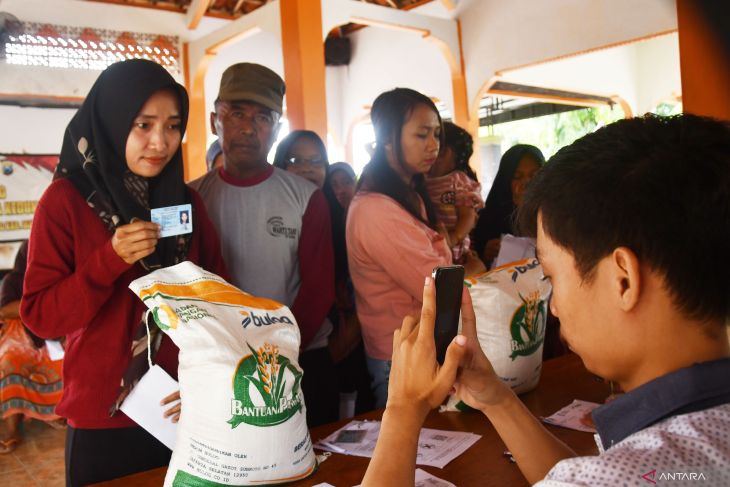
<point x="657" y="71"/>
<point x="262" y="48"/>
<point x="642" y="73"/>
<point x="336" y="83"/>
<point x="34" y="130"/>
<point x="606" y="72"/>
<point x="383" y="59"/>
<point x="495" y="37"/>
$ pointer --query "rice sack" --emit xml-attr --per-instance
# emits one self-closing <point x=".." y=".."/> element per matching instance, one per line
<point x="510" y="303"/>
<point x="243" y="418"/>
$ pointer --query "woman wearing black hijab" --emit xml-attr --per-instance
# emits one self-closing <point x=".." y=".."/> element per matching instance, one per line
<point x="516" y="168"/>
<point x="91" y="237"/>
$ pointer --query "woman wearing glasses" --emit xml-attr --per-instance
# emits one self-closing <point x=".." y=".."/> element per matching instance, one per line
<point x="303" y="153"/>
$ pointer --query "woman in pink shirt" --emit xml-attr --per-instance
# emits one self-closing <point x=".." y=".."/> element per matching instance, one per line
<point x="393" y="241"/>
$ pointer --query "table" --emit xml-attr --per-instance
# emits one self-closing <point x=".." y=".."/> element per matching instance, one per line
<point x="563" y="379"/>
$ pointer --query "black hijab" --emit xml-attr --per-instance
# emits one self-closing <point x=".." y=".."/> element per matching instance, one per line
<point x="496" y="217"/>
<point x="93" y="155"/>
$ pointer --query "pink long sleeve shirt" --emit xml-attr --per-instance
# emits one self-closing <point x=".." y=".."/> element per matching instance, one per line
<point x="390" y="253"/>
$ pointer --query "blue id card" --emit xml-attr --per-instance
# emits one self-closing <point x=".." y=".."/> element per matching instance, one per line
<point x="173" y="220"/>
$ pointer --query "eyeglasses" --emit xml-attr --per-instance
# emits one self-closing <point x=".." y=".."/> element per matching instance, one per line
<point x="302" y="161"/>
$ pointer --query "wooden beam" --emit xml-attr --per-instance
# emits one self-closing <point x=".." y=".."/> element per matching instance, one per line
<point x="239" y="3"/>
<point x="304" y="70"/>
<point x="704" y="65"/>
<point x="196" y="10"/>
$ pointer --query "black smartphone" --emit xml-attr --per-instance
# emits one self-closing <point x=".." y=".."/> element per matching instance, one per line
<point x="449" y="281"/>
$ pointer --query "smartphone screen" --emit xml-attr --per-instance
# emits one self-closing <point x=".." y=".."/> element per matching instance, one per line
<point x="449" y="283"/>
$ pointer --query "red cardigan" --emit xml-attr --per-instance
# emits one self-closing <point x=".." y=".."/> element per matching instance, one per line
<point x="76" y="286"/>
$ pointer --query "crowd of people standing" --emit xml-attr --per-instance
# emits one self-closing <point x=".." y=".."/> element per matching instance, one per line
<point x="347" y="255"/>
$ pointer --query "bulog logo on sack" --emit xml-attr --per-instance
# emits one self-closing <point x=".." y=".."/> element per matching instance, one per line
<point x="268" y="373"/>
<point x="251" y="318"/>
<point x="518" y="270"/>
<point x="527" y="326"/>
<point x="276" y="228"/>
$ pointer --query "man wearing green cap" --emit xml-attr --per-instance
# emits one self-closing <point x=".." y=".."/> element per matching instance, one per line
<point x="274" y="226"/>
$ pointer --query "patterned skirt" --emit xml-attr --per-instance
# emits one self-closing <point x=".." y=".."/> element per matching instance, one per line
<point x="30" y="382"/>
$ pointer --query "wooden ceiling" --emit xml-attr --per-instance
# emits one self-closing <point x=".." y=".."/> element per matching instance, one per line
<point x="233" y="9"/>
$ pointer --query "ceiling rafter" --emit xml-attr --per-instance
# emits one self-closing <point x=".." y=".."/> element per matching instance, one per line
<point x="195" y="12"/>
<point x="233" y="9"/>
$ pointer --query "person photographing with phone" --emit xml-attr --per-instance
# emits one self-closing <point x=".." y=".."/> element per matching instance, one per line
<point x="645" y="311"/>
<point x="448" y="282"/>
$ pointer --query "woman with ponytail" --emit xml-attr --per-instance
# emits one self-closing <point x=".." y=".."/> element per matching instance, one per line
<point x="393" y="238"/>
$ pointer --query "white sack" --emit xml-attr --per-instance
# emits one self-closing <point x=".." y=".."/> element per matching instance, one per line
<point x="243" y="418"/>
<point x="510" y="303"/>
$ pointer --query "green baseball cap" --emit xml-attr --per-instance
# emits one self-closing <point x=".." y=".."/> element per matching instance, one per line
<point x="252" y="82"/>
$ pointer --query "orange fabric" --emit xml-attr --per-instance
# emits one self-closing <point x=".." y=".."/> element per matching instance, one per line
<point x="30" y="382"/>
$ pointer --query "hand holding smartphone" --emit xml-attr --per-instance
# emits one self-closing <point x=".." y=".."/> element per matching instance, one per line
<point x="449" y="282"/>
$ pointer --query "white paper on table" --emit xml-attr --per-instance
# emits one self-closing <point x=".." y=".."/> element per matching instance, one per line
<point x="324" y="484"/>
<point x="514" y="248"/>
<point x="573" y="416"/>
<point x="142" y="405"/>
<point x="55" y="350"/>
<point x="436" y="448"/>
<point x="425" y="479"/>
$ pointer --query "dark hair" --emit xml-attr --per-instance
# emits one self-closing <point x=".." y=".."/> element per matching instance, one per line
<point x="657" y="185"/>
<point x="462" y="144"/>
<point x="284" y="148"/>
<point x="496" y="217"/>
<point x="390" y="112"/>
<point x="338" y="218"/>
<point x="184" y="212"/>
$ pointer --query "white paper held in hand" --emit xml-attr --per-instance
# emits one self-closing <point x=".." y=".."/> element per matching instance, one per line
<point x="514" y="248"/>
<point x="143" y="405"/>
<point x="575" y="416"/>
<point x="55" y="350"/>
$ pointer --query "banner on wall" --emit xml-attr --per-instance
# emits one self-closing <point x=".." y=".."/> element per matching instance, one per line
<point x="23" y="180"/>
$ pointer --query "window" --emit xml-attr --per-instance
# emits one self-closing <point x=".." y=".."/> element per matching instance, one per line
<point x="56" y="46"/>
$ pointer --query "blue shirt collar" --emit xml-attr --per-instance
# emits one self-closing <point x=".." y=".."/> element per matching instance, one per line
<point x="695" y="388"/>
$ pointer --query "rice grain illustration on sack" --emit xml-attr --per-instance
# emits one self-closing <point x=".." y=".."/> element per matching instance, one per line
<point x="510" y="303"/>
<point x="267" y="372"/>
<point x="243" y="419"/>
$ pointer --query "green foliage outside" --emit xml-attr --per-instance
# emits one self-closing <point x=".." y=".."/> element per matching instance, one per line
<point x="668" y="108"/>
<point x="551" y="132"/>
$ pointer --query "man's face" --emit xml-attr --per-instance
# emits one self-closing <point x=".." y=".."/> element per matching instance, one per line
<point x="246" y="131"/>
<point x="588" y="317"/>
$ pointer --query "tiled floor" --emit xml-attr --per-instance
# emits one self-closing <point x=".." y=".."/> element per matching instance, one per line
<point x="38" y="460"/>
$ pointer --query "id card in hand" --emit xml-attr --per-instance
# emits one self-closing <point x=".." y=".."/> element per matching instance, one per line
<point x="173" y="220"/>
